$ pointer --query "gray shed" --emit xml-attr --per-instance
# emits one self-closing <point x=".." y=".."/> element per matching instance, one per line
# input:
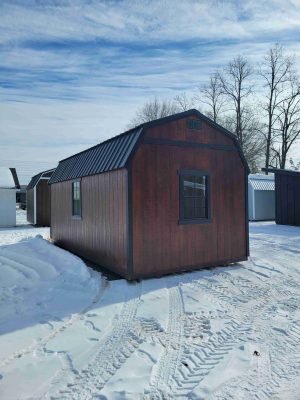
<point x="261" y="197"/>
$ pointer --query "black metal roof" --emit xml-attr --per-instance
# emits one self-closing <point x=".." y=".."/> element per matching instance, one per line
<point x="34" y="180"/>
<point x="15" y="176"/>
<point x="115" y="152"/>
<point x="107" y="156"/>
<point x="282" y="171"/>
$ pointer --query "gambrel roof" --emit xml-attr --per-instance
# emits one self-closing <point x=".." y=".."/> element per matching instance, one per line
<point x="115" y="153"/>
<point x="35" y="179"/>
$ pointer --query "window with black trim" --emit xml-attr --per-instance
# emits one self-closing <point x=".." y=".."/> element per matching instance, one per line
<point x="76" y="199"/>
<point x="194" y="196"/>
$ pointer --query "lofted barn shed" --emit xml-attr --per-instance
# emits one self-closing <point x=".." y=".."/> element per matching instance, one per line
<point x="287" y="196"/>
<point x="169" y="195"/>
<point x="261" y="194"/>
<point x="38" y="199"/>
<point x="8" y="186"/>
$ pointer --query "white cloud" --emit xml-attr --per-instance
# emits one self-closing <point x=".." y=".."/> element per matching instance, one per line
<point x="74" y="72"/>
<point x="146" y="20"/>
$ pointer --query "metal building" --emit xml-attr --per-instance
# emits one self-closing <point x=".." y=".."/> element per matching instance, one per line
<point x="38" y="199"/>
<point x="8" y="186"/>
<point x="261" y="197"/>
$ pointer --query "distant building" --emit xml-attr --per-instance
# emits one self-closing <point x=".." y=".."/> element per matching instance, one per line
<point x="287" y="196"/>
<point x="38" y="199"/>
<point x="8" y="186"/>
<point x="169" y="195"/>
<point x="261" y="195"/>
<point x="21" y="197"/>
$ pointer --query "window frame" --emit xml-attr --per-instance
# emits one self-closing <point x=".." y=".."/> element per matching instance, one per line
<point x="76" y="216"/>
<point x="188" y="172"/>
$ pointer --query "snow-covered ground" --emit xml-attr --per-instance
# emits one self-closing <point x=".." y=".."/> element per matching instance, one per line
<point x="67" y="333"/>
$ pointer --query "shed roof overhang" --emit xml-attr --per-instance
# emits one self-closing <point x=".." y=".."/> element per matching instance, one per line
<point x="116" y="153"/>
<point x="282" y="171"/>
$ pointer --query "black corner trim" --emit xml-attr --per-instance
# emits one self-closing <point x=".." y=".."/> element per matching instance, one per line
<point x="181" y="143"/>
<point x="129" y="223"/>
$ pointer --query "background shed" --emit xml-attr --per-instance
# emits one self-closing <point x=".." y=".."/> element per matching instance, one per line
<point x="38" y="199"/>
<point x="261" y="197"/>
<point x="8" y="186"/>
<point x="287" y="196"/>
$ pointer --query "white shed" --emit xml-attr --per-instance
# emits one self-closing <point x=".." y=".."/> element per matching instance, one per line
<point x="7" y="197"/>
<point x="261" y="197"/>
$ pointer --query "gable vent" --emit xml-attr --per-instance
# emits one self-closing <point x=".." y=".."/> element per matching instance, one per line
<point x="193" y="124"/>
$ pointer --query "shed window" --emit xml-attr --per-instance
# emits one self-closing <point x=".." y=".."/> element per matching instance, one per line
<point x="194" y="196"/>
<point x="76" y="199"/>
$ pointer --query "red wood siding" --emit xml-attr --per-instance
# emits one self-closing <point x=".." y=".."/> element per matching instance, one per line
<point x="30" y="206"/>
<point x="43" y="203"/>
<point x="177" y="130"/>
<point x="101" y="234"/>
<point x="160" y="244"/>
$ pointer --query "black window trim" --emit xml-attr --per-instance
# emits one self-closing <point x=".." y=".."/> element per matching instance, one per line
<point x="76" y="216"/>
<point x="185" y="221"/>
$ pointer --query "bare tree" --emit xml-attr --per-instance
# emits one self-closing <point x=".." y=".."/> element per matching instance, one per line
<point x="288" y="118"/>
<point x="293" y="165"/>
<point x="154" y="109"/>
<point x="212" y="95"/>
<point x="183" y="102"/>
<point x="253" y="140"/>
<point x="235" y="86"/>
<point x="275" y="72"/>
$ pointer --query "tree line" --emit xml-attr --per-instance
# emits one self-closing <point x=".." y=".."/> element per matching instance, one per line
<point x="261" y="106"/>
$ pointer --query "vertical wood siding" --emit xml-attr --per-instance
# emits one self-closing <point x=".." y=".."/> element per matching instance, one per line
<point x="30" y="206"/>
<point x="160" y="244"/>
<point x="101" y="234"/>
<point x="177" y="130"/>
<point x="43" y="203"/>
<point x="287" y="199"/>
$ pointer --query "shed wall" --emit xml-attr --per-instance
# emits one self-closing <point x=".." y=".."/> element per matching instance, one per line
<point x="7" y="207"/>
<point x="30" y="205"/>
<point x="264" y="205"/>
<point x="160" y="244"/>
<point x="287" y="189"/>
<point x="250" y="202"/>
<point x="177" y="130"/>
<point x="101" y="234"/>
<point x="43" y="203"/>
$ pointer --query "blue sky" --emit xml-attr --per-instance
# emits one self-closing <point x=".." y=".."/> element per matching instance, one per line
<point x="73" y="73"/>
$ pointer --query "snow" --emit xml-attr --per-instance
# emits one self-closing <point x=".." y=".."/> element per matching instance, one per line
<point x="6" y="178"/>
<point x="68" y="333"/>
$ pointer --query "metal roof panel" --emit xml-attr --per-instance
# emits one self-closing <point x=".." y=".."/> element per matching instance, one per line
<point x="107" y="156"/>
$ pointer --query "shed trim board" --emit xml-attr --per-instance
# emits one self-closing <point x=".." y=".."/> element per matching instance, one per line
<point x="111" y="158"/>
<point x="179" y="143"/>
<point x="129" y="223"/>
<point x="253" y="204"/>
<point x="32" y="201"/>
<point x="34" y="205"/>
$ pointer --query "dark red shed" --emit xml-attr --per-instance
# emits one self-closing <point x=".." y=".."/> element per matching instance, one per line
<point x="169" y="195"/>
<point x="287" y="196"/>
<point x="38" y="199"/>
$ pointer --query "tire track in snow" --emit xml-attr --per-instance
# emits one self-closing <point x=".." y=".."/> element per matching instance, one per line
<point x="161" y="381"/>
<point x="112" y="352"/>
<point x="277" y="369"/>
<point x="201" y="358"/>
<point x="281" y="358"/>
